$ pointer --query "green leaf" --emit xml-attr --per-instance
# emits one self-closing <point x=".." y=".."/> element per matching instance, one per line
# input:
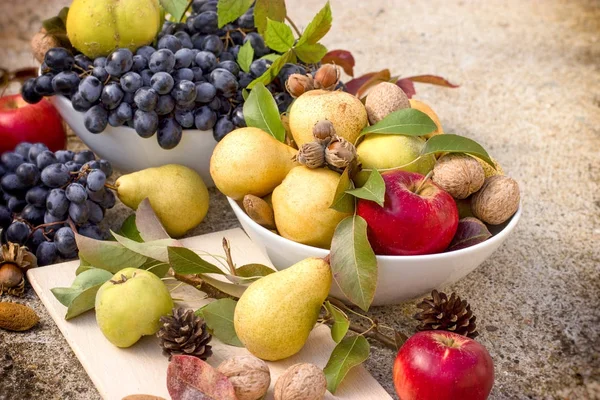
<point x="373" y="189"/>
<point x="156" y="249"/>
<point x="278" y="36"/>
<point x="273" y="70"/>
<point x="260" y="111"/>
<point x="111" y="256"/>
<point x="129" y="230"/>
<point x="310" y="53"/>
<point x="271" y="9"/>
<point x="81" y="296"/>
<point x="252" y="270"/>
<point x="83" y="266"/>
<point x="350" y="352"/>
<point x="230" y="10"/>
<point x="271" y="57"/>
<point x="54" y="25"/>
<point x="176" y="8"/>
<point x="407" y="121"/>
<point x="341" y="323"/>
<point x="245" y="94"/>
<point x="148" y="224"/>
<point x="218" y="316"/>
<point x="342" y="201"/>
<point x="245" y="56"/>
<point x="185" y="261"/>
<point x="63" y="14"/>
<point x="231" y="289"/>
<point x="158" y="268"/>
<point x="353" y="261"/>
<point x="318" y="27"/>
<point x="449" y="143"/>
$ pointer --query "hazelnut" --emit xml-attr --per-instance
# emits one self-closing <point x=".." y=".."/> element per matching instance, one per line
<point x="298" y="84"/>
<point x="259" y="210"/>
<point x="301" y="381"/>
<point x="458" y="174"/>
<point x="10" y="275"/>
<point x="497" y="200"/>
<point x="339" y="154"/>
<point x="311" y="154"/>
<point x="323" y="132"/>
<point x="384" y="99"/>
<point x="249" y="376"/>
<point x="327" y="77"/>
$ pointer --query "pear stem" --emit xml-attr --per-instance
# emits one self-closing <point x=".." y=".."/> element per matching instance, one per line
<point x="111" y="186"/>
<point x="423" y="182"/>
<point x="227" y="249"/>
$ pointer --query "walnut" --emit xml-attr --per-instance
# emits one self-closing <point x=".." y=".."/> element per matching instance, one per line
<point x="497" y="200"/>
<point x="384" y="99"/>
<point x="301" y="382"/>
<point x="327" y="77"/>
<point x="311" y="154"/>
<point x="458" y="174"/>
<point x="249" y="376"/>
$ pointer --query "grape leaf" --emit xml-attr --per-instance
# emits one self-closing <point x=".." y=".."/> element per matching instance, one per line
<point x="318" y="27"/>
<point x="130" y="230"/>
<point x="81" y="296"/>
<point x="272" y="9"/>
<point x="353" y="261"/>
<point x="373" y="189"/>
<point x="271" y="57"/>
<point x="108" y="255"/>
<point x="176" y="8"/>
<point x="432" y="79"/>
<point x="245" y="56"/>
<point x="185" y="261"/>
<point x="350" y="352"/>
<point x="343" y="58"/>
<point x="260" y="111"/>
<point x="407" y="121"/>
<point x="218" y="316"/>
<point x="230" y="10"/>
<point x="190" y="378"/>
<point x="274" y="69"/>
<point x="449" y="143"/>
<point x="407" y="87"/>
<point x="354" y="84"/>
<point x="148" y="224"/>
<point x="341" y="323"/>
<point x="310" y="53"/>
<point x="342" y="201"/>
<point x="278" y="36"/>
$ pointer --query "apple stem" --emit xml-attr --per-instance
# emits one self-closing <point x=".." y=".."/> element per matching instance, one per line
<point x="423" y="182"/>
<point x="230" y="263"/>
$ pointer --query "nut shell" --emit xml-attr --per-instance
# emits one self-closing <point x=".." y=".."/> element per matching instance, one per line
<point x="497" y="200"/>
<point x="250" y="376"/>
<point x="17" y="317"/>
<point x="311" y="154"/>
<point x="10" y="275"/>
<point x="384" y="99"/>
<point x="458" y="174"/>
<point x="327" y="77"/>
<point x="339" y="154"/>
<point x="259" y="210"/>
<point x="301" y="382"/>
<point x="298" y="84"/>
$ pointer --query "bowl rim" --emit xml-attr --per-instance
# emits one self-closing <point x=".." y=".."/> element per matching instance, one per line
<point x="495" y="239"/>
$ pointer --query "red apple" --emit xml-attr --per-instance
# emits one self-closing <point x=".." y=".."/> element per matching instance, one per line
<point x="410" y="222"/>
<point x="439" y="365"/>
<point x="34" y="123"/>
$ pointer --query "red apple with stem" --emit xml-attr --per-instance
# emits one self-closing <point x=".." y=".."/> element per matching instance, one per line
<point x="418" y="217"/>
<point x="23" y="122"/>
<point x="440" y="365"/>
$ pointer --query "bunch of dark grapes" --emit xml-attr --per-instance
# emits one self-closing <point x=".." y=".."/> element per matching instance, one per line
<point x="44" y="193"/>
<point x="191" y="79"/>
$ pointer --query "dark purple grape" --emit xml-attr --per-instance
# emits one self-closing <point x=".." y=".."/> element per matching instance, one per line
<point x="96" y="119"/>
<point x="64" y="239"/>
<point x="238" y="117"/>
<point x="99" y="62"/>
<point x="165" y="105"/>
<point x="112" y="95"/>
<point x="222" y="128"/>
<point x="96" y="213"/>
<point x="224" y="81"/>
<point x="45" y="158"/>
<point x="230" y="66"/>
<point x="105" y="167"/>
<point x="76" y="193"/>
<point x="65" y="83"/>
<point x="205" y="118"/>
<point x="57" y="203"/>
<point x="205" y="92"/>
<point x="12" y="160"/>
<point x="183" y="74"/>
<point x="84" y="156"/>
<point x="28" y="92"/>
<point x="16" y="204"/>
<point x="100" y="73"/>
<point x="185" y="39"/>
<point x="33" y="215"/>
<point x="5" y="217"/>
<point x="131" y="82"/>
<point x="22" y="149"/>
<point x="185" y="118"/>
<point x="83" y="62"/>
<point x="90" y="88"/>
<point x="140" y="63"/>
<point x="145" y="123"/>
<point x="259" y="67"/>
<point x="28" y="173"/>
<point x="36" y="196"/>
<point x="206" y="60"/>
<point x="92" y="231"/>
<point x="12" y="185"/>
<point x="43" y="85"/>
<point x="35" y="150"/>
<point x="96" y="180"/>
<point x="257" y="43"/>
<point x="120" y="115"/>
<point x="184" y="92"/>
<point x="147" y="77"/>
<point x="246" y="21"/>
<point x="79" y="103"/>
<point x="17" y="232"/>
<point x="59" y="59"/>
<point x="206" y="22"/>
<point x="145" y="99"/>
<point x="244" y="79"/>
<point x="146" y="52"/>
<point x="198" y="74"/>
<point x="162" y="60"/>
<point x="46" y="253"/>
<point x="226" y="56"/>
<point x="162" y="82"/>
<point x="72" y="166"/>
<point x="213" y="44"/>
<point x="35" y="239"/>
<point x="169" y="133"/>
<point x="119" y="62"/>
<point x="170" y="42"/>
<point x="79" y="213"/>
<point x="64" y="155"/>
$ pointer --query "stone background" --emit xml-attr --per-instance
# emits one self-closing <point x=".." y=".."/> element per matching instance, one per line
<point x="530" y="93"/>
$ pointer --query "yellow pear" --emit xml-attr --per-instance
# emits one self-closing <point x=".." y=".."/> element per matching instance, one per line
<point x="301" y="206"/>
<point x="275" y="315"/>
<point x="347" y="114"/>
<point x="177" y="194"/>
<point x="423" y="107"/>
<point x="250" y="161"/>
<point x="383" y="151"/>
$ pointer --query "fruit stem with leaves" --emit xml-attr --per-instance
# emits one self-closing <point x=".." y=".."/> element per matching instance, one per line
<point x="293" y="25"/>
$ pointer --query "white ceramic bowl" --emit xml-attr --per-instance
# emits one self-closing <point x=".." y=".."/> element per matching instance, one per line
<point x="128" y="152"/>
<point x="400" y="277"/>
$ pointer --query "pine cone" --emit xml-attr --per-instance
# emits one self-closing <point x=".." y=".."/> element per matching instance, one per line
<point x="441" y="313"/>
<point x="184" y="333"/>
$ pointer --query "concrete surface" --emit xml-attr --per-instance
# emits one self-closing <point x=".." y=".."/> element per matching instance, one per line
<point x="530" y="79"/>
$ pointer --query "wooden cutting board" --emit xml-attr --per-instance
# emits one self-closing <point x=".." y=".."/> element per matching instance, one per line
<point x="142" y="368"/>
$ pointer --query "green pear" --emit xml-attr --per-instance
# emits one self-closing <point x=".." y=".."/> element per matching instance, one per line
<point x="177" y="195"/>
<point x="275" y="315"/>
<point x="130" y="305"/>
<point x="301" y="205"/>
<point x="250" y="161"/>
<point x="383" y="151"/>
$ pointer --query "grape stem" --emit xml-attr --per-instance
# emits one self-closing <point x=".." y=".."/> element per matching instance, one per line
<point x="289" y="20"/>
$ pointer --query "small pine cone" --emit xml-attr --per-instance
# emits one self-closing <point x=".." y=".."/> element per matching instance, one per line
<point x="312" y="155"/>
<point x="441" y="313"/>
<point x="184" y="333"/>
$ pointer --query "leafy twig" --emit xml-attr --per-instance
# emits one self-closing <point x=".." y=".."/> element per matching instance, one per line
<point x="289" y="20"/>
<point x="230" y="263"/>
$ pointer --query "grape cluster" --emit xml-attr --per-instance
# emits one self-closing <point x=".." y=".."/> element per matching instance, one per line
<point x="190" y="79"/>
<point x="42" y="191"/>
